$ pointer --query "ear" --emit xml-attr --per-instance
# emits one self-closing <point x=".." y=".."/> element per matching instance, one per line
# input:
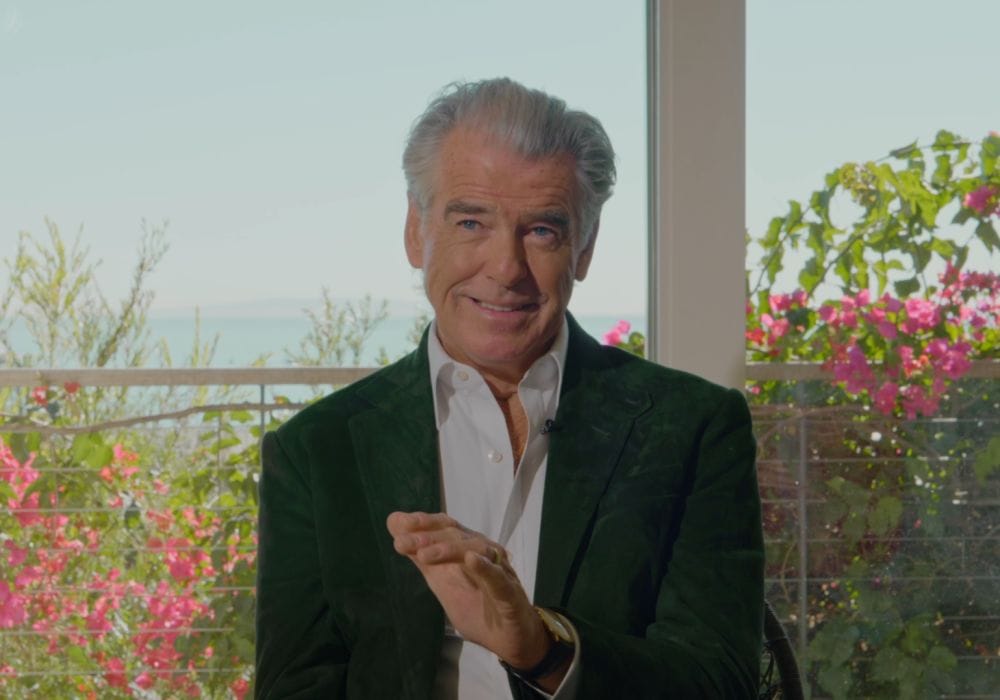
<point x="585" y="256"/>
<point x="413" y="236"/>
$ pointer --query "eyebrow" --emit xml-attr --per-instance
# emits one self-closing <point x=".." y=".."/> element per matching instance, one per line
<point x="458" y="206"/>
<point x="554" y="217"/>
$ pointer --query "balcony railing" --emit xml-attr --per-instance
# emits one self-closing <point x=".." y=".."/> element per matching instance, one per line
<point x="826" y="475"/>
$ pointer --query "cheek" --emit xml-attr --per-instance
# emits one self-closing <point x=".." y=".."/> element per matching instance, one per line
<point x="556" y="278"/>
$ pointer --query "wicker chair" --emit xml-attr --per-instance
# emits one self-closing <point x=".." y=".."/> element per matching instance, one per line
<point x="779" y="672"/>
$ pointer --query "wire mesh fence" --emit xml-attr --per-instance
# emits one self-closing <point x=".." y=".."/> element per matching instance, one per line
<point x="127" y="542"/>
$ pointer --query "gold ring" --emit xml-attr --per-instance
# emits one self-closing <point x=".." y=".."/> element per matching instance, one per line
<point x="497" y="556"/>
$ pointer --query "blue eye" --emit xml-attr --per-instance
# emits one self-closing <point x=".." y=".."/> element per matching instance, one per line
<point x="469" y="224"/>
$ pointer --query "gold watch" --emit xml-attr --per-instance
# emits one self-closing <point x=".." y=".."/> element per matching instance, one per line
<point x="563" y="647"/>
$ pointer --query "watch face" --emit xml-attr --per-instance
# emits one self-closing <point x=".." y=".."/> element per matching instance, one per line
<point x="554" y="623"/>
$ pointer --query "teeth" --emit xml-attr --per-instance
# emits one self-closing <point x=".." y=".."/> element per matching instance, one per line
<point x="491" y="307"/>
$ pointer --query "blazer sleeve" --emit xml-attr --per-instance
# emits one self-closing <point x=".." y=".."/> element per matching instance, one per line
<point x="300" y="652"/>
<point x="705" y="639"/>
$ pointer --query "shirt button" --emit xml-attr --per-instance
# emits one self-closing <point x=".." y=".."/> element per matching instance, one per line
<point x="495" y="456"/>
<point x="462" y="375"/>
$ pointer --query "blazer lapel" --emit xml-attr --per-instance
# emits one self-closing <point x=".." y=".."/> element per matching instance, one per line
<point x="397" y="453"/>
<point x="594" y="420"/>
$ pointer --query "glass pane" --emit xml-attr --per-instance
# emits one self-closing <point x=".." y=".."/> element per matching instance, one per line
<point x="879" y="461"/>
<point x="261" y="146"/>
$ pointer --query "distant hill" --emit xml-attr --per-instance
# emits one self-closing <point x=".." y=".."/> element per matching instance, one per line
<point x="275" y="308"/>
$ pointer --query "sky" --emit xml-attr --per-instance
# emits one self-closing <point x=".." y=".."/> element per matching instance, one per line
<point x="269" y="136"/>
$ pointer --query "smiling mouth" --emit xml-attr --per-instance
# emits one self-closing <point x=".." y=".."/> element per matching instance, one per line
<point x="505" y="308"/>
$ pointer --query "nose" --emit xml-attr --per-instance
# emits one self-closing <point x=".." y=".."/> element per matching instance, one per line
<point x="507" y="262"/>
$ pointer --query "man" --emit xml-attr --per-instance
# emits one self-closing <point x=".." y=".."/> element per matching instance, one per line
<point x="410" y="523"/>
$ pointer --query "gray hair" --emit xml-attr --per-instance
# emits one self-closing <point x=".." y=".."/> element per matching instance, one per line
<point x="535" y="124"/>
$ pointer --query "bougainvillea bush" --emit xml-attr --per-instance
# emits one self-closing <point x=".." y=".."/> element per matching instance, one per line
<point x="127" y="526"/>
<point x="900" y="444"/>
<point x="136" y="579"/>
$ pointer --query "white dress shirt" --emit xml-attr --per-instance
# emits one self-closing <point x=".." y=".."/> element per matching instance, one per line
<point x="485" y="491"/>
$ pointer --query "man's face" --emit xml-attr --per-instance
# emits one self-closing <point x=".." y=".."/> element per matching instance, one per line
<point x="499" y="244"/>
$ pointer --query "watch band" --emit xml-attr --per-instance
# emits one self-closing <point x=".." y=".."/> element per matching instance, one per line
<point x="559" y="652"/>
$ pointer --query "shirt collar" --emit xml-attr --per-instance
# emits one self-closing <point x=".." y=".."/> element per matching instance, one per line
<point x="547" y="369"/>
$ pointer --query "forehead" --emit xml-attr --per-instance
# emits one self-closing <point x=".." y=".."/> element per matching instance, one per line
<point x="472" y="165"/>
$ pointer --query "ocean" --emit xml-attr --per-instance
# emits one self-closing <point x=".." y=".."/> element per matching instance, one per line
<point x="242" y="340"/>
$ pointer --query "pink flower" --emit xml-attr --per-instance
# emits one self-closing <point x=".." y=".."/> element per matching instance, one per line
<point x="618" y="334"/>
<point x="799" y="297"/>
<point x="917" y="401"/>
<point x="778" y="326"/>
<point x="951" y="360"/>
<point x="40" y="395"/>
<point x="920" y="315"/>
<point x="17" y="555"/>
<point x="828" y="313"/>
<point x="983" y="200"/>
<point x="886" y="329"/>
<point x="755" y="336"/>
<point x="937" y="347"/>
<point x="71" y="387"/>
<point x="885" y="398"/>
<point x="856" y="373"/>
<point x="780" y="302"/>
<point x="892" y="305"/>
<point x="12" y="612"/>
<point x="240" y="687"/>
<point x="863" y="298"/>
<point x="115" y="676"/>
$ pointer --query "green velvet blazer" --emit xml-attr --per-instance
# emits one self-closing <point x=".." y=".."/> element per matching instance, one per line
<point x="650" y="539"/>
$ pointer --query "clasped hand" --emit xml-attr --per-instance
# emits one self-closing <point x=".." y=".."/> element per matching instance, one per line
<point x="475" y="584"/>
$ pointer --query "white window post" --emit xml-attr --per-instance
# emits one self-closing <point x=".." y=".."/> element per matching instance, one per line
<point x="696" y="112"/>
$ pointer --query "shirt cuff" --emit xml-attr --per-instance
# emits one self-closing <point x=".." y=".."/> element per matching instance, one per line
<point x="570" y="682"/>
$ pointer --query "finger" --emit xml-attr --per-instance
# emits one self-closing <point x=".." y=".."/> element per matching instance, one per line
<point x="411" y="541"/>
<point x="498" y="580"/>
<point x="451" y="550"/>
<point x="401" y="522"/>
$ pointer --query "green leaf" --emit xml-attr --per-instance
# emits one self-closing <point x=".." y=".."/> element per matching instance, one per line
<point x="905" y="288"/>
<point x="988" y="461"/>
<point x="854" y="526"/>
<point x="241" y="416"/>
<point x="942" y="173"/>
<point x="941" y="657"/>
<point x="886" y="515"/>
<point x="100" y="456"/>
<point x="962" y="216"/>
<point x="886" y="664"/>
<point x="961" y="257"/>
<point x="78" y="657"/>
<point x="809" y="276"/>
<point x="793" y="221"/>
<point x="944" y="140"/>
<point x="904" y="152"/>
<point x="836" y="680"/>
<point x="773" y="234"/>
<point x="921" y="256"/>
<point x="943" y="247"/>
<point x="988" y="235"/>
<point x="773" y="267"/>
